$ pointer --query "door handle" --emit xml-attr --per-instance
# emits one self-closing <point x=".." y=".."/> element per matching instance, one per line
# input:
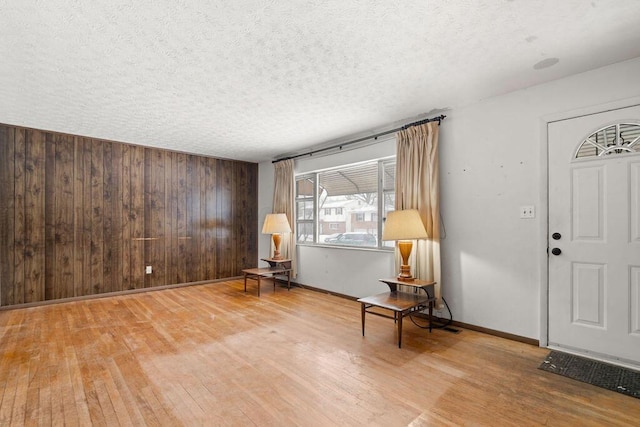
<point x="556" y="236"/>
<point x="556" y="251"/>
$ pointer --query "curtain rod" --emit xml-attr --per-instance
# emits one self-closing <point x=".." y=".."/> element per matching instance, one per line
<point x="438" y="119"/>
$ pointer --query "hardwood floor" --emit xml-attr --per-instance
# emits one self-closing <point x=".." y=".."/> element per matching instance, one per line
<point x="213" y="355"/>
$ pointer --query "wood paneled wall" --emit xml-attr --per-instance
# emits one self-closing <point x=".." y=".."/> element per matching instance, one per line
<point x="82" y="216"/>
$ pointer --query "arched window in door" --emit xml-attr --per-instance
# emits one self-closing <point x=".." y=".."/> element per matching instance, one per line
<point x="619" y="138"/>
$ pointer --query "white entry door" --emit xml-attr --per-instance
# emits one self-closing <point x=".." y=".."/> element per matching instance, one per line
<point x="594" y="235"/>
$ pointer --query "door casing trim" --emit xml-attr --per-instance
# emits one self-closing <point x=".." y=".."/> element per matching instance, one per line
<point x="543" y="231"/>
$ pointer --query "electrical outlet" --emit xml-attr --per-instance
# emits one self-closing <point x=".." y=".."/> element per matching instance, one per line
<point x="148" y="269"/>
<point x="527" y="212"/>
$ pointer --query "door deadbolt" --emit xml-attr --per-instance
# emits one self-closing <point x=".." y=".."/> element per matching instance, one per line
<point x="556" y="236"/>
<point x="556" y="251"/>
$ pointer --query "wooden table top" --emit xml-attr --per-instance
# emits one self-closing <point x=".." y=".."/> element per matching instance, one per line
<point x="416" y="283"/>
<point x="397" y="301"/>
<point x="266" y="270"/>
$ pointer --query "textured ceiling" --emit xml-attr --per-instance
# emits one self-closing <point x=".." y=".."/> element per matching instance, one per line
<point x="254" y="79"/>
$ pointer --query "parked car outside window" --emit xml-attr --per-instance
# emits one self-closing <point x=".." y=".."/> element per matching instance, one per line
<point x="354" y="239"/>
<point x="332" y="238"/>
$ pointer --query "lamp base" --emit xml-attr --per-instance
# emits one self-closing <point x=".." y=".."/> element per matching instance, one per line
<point x="405" y="274"/>
<point x="405" y="269"/>
<point x="276" y="243"/>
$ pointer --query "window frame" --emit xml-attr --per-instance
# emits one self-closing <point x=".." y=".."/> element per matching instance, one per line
<point x="313" y="176"/>
<point x="314" y="212"/>
<point x="382" y="193"/>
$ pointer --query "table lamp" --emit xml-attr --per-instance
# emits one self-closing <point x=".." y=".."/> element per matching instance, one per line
<point x="404" y="226"/>
<point x="276" y="224"/>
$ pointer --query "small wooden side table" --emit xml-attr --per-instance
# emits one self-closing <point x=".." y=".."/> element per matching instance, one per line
<point x="402" y="304"/>
<point x="277" y="267"/>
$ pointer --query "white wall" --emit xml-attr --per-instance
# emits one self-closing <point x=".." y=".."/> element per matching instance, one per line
<point x="493" y="160"/>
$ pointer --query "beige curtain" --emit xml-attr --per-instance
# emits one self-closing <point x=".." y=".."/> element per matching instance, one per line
<point x="418" y="187"/>
<point x="283" y="200"/>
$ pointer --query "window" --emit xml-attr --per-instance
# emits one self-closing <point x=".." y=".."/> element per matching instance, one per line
<point x="388" y="173"/>
<point x="305" y="208"/>
<point x="620" y="138"/>
<point x="357" y="195"/>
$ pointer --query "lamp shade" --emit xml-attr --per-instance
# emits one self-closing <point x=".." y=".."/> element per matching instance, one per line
<point x="404" y="225"/>
<point x="276" y="223"/>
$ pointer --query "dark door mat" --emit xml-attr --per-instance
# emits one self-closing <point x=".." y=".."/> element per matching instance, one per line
<point x="611" y="377"/>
